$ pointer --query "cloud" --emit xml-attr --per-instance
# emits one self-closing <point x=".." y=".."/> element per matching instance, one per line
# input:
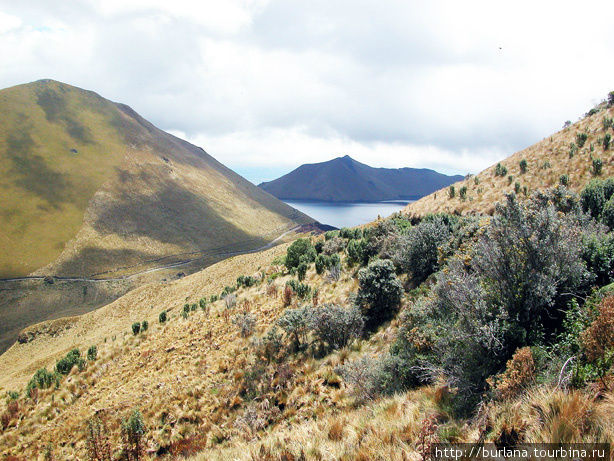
<point x="449" y="85"/>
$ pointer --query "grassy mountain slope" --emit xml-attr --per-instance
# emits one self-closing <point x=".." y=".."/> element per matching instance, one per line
<point x="93" y="187"/>
<point x="547" y="161"/>
<point x="343" y="179"/>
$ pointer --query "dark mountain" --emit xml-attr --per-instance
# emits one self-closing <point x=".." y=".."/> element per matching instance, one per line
<point x="343" y="179"/>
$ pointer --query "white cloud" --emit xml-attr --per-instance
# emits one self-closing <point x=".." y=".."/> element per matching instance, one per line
<point x="449" y="85"/>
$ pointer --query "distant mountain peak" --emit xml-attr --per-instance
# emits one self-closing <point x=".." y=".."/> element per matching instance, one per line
<point x="344" y="179"/>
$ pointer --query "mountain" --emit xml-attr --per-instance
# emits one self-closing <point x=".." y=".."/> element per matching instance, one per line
<point x="343" y="179"/>
<point x="91" y="187"/>
<point x="568" y="156"/>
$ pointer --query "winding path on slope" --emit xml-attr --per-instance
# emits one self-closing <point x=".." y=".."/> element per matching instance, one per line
<point x="219" y="252"/>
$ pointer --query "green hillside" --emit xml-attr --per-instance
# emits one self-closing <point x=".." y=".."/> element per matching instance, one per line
<point x="91" y="186"/>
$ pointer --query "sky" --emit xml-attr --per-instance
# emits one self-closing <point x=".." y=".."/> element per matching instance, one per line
<point x="265" y="86"/>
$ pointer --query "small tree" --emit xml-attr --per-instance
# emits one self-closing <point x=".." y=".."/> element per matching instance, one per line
<point x="136" y="328"/>
<point x="320" y="264"/>
<point x="92" y="353"/>
<point x="523" y="166"/>
<point x="298" y="249"/>
<point x="97" y="440"/>
<point x="379" y="291"/>
<point x="581" y="139"/>
<point x="337" y="326"/>
<point x="463" y="193"/>
<point x="144" y="325"/>
<point x="301" y="271"/>
<point x="133" y="430"/>
<point x="606" y="141"/>
<point x="162" y="317"/>
<point x="451" y="192"/>
<point x="597" y="166"/>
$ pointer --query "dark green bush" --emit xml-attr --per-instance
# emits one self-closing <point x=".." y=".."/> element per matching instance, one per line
<point x="144" y="325"/>
<point x="417" y="252"/>
<point x="295" y="323"/>
<point x="523" y="166"/>
<point x="564" y="180"/>
<point x="573" y="149"/>
<point x="597" y="166"/>
<point x="300" y="248"/>
<point x="379" y="292"/>
<point x="136" y="328"/>
<point x="463" y="193"/>
<point x="92" y="353"/>
<point x="213" y="298"/>
<point x="162" y="317"/>
<point x="606" y="141"/>
<point x="598" y="254"/>
<point x="133" y="429"/>
<point x="66" y="363"/>
<point x="451" y="192"/>
<point x="202" y="303"/>
<point x="357" y="251"/>
<point x="301" y="271"/>
<point x="581" y="139"/>
<point x="500" y="170"/>
<point x="607" y="214"/>
<point x="42" y="379"/>
<point x="321" y="264"/>
<point x="594" y="197"/>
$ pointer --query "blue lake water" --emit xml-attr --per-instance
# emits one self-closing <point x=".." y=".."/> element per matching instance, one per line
<point x="347" y="214"/>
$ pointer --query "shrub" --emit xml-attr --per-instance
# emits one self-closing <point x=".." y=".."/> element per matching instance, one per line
<point x="186" y="308"/>
<point x="227" y="290"/>
<point x="301" y="271"/>
<point x="334" y="273"/>
<point x="510" y="179"/>
<point x="348" y="233"/>
<point x="597" y="167"/>
<point x="11" y="396"/>
<point x="564" y="180"/>
<point x="66" y="363"/>
<point x="42" y="379"/>
<point x="598" y="338"/>
<point x="527" y="282"/>
<point x="336" y="326"/>
<point x="144" y="325"/>
<point x="593" y="197"/>
<point x="517" y="188"/>
<point x="611" y="99"/>
<point x="333" y="246"/>
<point x="133" y="430"/>
<point x="97" y="440"/>
<point x="295" y="323"/>
<point x="246" y="321"/>
<point x="330" y="234"/>
<point x="358" y="252"/>
<point x="245" y="281"/>
<point x="606" y="141"/>
<point x="162" y="317"/>
<point x="581" y="139"/>
<point x="500" y="170"/>
<point x="379" y="292"/>
<point x="213" y="298"/>
<point x="136" y="327"/>
<point x="92" y="353"/>
<point x="523" y="166"/>
<point x="518" y="375"/>
<point x="451" y="192"/>
<point x="417" y="252"/>
<point x="607" y="214"/>
<point x="463" y="193"/>
<point x="573" y="149"/>
<point x="319" y="245"/>
<point x="287" y="295"/>
<point x="202" y="303"/>
<point x="230" y="300"/>
<point x="598" y="254"/>
<point x="607" y="123"/>
<point x="300" y="248"/>
<point x="321" y="264"/>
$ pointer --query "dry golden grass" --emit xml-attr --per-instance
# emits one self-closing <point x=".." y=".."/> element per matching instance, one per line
<point x="552" y="150"/>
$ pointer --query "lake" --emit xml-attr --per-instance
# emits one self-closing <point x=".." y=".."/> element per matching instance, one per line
<point x="348" y="214"/>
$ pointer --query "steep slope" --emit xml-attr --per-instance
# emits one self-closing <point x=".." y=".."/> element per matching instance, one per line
<point x="93" y="192"/>
<point x="92" y="187"/>
<point x="555" y="159"/>
<point x="343" y="179"/>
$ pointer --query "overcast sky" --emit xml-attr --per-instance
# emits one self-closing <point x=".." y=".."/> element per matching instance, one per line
<point x="265" y="86"/>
